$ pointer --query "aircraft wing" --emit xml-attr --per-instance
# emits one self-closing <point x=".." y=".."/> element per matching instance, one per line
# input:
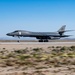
<point x="51" y="37"/>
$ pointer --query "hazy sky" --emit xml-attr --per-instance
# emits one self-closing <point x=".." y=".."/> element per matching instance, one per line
<point x="36" y="15"/>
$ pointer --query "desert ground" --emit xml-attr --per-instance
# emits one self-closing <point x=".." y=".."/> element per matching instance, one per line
<point x="34" y="58"/>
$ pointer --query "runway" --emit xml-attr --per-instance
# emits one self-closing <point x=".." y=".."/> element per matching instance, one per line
<point x="23" y="45"/>
<point x="37" y="43"/>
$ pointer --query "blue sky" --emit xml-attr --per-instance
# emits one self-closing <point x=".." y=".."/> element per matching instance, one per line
<point x="36" y="15"/>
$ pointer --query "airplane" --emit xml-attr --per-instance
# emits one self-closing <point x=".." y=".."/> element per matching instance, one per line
<point x="41" y="36"/>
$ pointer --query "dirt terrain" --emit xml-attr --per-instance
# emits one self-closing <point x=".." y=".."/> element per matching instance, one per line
<point x="37" y="58"/>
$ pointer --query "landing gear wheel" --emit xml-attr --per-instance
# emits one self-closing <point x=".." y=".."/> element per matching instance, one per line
<point x="18" y="41"/>
<point x="45" y="40"/>
<point x="40" y="40"/>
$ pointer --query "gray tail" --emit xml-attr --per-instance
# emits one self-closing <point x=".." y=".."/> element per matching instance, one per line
<point x="61" y="30"/>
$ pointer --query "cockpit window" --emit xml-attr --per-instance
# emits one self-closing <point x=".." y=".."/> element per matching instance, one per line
<point x="15" y="31"/>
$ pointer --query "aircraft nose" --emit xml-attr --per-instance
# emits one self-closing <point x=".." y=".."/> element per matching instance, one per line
<point x="8" y="34"/>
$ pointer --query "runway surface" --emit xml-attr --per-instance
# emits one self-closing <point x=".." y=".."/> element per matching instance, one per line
<point x="37" y="43"/>
<point x="23" y="45"/>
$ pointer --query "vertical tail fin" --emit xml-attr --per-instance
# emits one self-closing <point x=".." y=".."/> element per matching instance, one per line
<point x="61" y="30"/>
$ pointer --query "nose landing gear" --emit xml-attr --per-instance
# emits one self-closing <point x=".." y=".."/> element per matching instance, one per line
<point x="19" y="39"/>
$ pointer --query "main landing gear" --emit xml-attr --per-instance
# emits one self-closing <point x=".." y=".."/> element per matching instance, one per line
<point x="43" y="40"/>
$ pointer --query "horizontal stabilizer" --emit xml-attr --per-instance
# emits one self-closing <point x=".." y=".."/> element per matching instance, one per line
<point x="68" y="30"/>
